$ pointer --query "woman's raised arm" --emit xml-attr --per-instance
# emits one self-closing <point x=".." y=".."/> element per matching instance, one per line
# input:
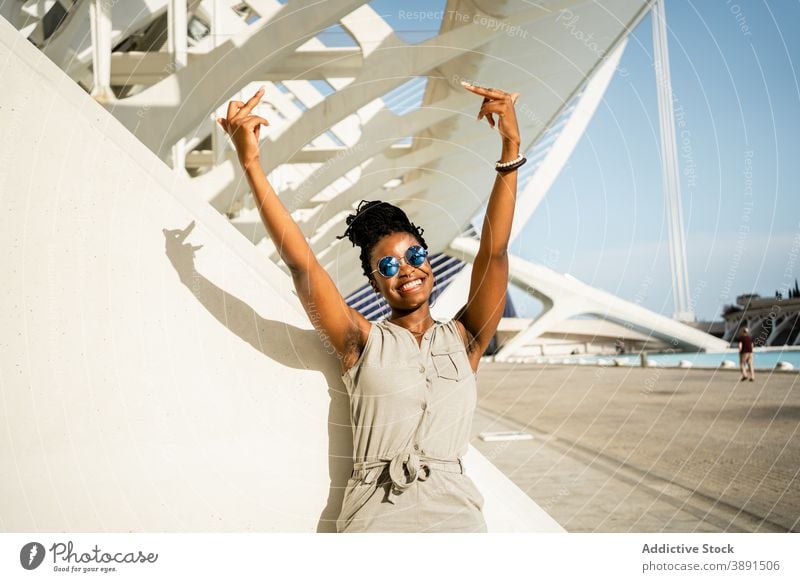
<point x="346" y="329"/>
<point x="486" y="300"/>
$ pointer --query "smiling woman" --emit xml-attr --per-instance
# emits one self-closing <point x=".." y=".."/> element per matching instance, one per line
<point x="411" y="379"/>
<point x="412" y="392"/>
<point x="393" y="247"/>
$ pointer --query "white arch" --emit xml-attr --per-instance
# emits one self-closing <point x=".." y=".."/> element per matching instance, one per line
<point x="564" y="297"/>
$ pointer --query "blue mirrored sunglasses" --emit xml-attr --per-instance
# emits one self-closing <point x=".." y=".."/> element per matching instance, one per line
<point x="389" y="266"/>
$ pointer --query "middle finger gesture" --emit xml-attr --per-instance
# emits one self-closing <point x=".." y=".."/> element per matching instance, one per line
<point x="244" y="128"/>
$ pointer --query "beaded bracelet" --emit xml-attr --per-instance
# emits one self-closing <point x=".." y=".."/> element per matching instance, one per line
<point x="504" y="167"/>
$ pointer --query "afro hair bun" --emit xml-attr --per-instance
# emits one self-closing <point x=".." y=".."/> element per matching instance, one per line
<point x="374" y="219"/>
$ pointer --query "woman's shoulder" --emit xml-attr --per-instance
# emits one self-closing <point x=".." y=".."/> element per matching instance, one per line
<point x="464" y="334"/>
<point x="456" y="325"/>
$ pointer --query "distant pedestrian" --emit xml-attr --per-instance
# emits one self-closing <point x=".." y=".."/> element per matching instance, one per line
<point x="746" y="355"/>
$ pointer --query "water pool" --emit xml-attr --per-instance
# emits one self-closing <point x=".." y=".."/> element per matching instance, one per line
<point x="762" y="360"/>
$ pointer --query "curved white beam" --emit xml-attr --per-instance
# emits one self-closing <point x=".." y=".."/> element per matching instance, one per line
<point x="377" y="145"/>
<point x="404" y="61"/>
<point x="171" y="109"/>
<point x="570" y="297"/>
<point x="148" y="68"/>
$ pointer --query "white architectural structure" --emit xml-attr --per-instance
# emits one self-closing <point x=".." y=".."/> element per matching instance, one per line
<point x="564" y="297"/>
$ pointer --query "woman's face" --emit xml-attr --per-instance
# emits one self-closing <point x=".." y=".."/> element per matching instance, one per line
<point x="398" y="294"/>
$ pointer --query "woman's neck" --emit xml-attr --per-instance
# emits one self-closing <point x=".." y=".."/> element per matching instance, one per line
<point x="414" y="320"/>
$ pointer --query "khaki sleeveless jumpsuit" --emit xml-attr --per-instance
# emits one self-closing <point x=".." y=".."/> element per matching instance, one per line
<point x="411" y="409"/>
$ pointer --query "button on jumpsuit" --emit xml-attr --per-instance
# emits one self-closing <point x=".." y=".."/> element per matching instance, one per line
<point x="411" y="408"/>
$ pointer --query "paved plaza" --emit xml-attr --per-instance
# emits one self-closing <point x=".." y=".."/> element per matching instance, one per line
<point x="647" y="450"/>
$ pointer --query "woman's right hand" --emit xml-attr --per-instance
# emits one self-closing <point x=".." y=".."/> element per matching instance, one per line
<point x="244" y="128"/>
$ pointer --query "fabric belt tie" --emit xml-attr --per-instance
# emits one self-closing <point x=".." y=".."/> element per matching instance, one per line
<point x="417" y="466"/>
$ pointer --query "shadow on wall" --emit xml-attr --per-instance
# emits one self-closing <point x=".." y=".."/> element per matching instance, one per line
<point x="264" y="335"/>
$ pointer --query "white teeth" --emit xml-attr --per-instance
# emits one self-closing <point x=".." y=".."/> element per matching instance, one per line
<point x="410" y="284"/>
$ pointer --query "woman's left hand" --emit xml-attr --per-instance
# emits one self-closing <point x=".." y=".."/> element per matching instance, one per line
<point x="501" y="103"/>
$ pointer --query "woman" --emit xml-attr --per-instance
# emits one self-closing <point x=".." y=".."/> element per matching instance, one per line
<point x="411" y="379"/>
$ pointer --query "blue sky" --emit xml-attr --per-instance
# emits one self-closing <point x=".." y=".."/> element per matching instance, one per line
<point x="603" y="221"/>
<point x="734" y="80"/>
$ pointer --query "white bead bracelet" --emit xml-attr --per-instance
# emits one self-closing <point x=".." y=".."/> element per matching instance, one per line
<point x="510" y="165"/>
